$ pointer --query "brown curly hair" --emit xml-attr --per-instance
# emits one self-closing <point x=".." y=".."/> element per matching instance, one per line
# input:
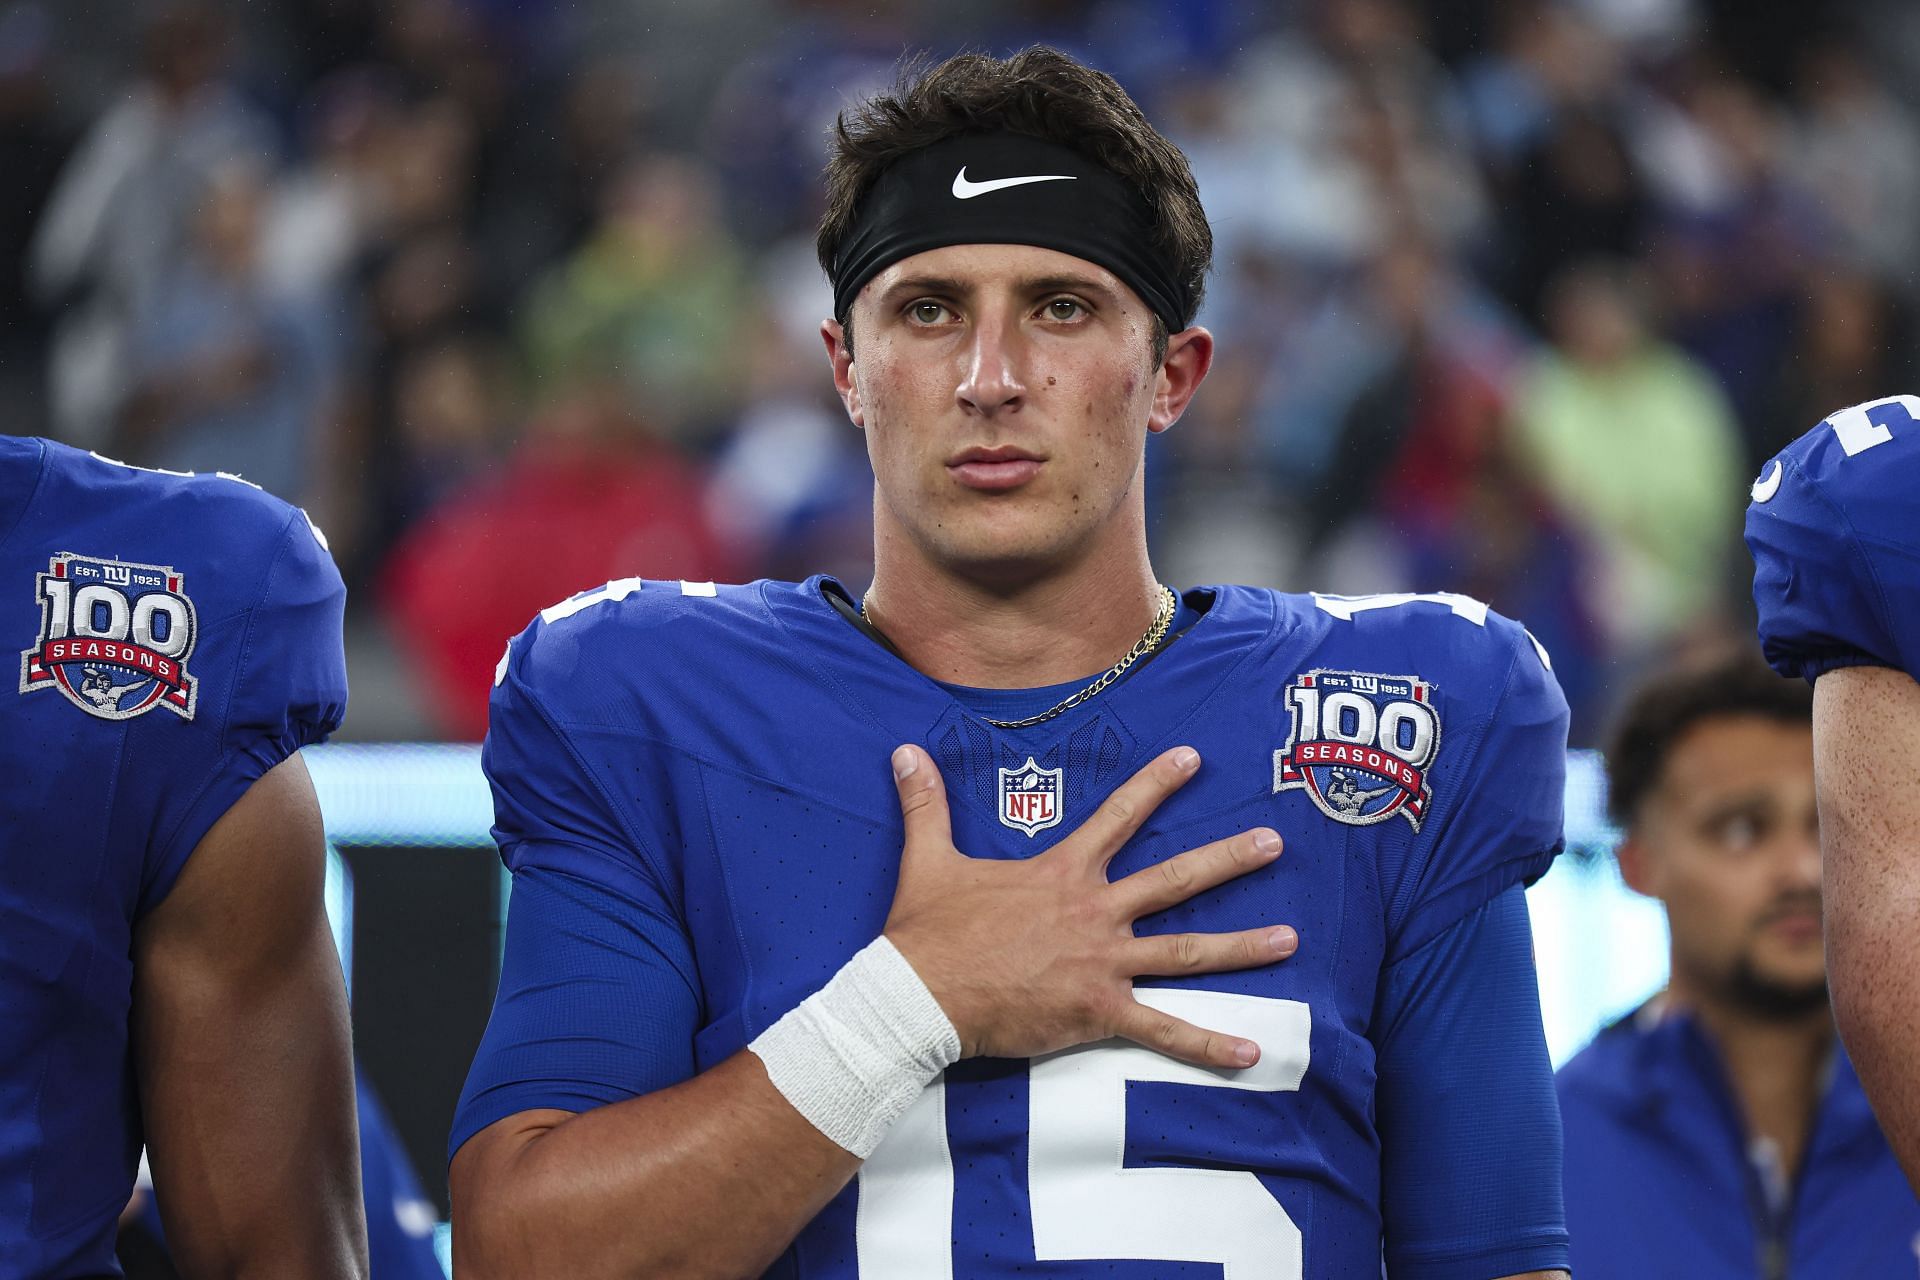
<point x="1040" y="92"/>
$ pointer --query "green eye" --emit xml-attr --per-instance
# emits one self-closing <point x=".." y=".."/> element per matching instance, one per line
<point x="1063" y="308"/>
<point x="928" y="312"/>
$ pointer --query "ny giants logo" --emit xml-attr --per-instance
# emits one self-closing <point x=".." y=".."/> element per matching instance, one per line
<point x="1361" y="746"/>
<point x="114" y="638"/>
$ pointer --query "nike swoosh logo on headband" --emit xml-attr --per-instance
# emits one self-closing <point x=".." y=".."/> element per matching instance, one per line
<point x="964" y="190"/>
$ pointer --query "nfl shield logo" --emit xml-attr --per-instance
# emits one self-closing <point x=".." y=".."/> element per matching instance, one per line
<point x="1030" y="797"/>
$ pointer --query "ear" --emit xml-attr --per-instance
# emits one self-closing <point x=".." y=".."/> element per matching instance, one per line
<point x="1637" y="865"/>
<point x="1189" y="356"/>
<point x="840" y="356"/>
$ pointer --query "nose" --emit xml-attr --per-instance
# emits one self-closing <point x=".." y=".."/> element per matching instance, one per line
<point x="1800" y="860"/>
<point x="992" y="381"/>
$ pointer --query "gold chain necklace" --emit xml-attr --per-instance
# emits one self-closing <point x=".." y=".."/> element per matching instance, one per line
<point x="1145" y="645"/>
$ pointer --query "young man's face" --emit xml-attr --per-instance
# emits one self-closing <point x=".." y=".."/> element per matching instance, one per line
<point x="1730" y="842"/>
<point x="1006" y="392"/>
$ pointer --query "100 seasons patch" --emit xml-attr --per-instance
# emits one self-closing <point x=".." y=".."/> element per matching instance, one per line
<point x="1362" y="745"/>
<point x="115" y="638"/>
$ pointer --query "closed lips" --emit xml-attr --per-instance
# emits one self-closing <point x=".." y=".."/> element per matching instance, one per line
<point x="1002" y="454"/>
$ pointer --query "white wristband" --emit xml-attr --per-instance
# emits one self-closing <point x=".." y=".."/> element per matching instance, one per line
<point x="855" y="1054"/>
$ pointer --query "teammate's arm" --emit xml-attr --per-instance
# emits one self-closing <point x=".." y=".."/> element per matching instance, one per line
<point x="1836" y="563"/>
<point x="716" y="1175"/>
<point x="1866" y="737"/>
<point x="243" y="1053"/>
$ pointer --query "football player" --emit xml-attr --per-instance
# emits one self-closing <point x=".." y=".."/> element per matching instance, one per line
<point x="1030" y="1001"/>
<point x="167" y="975"/>
<point x="1834" y="527"/>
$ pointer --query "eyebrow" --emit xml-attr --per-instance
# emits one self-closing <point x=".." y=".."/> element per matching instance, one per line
<point x="941" y="286"/>
<point x="1068" y="284"/>
<point x="1755" y="800"/>
<point x="949" y="287"/>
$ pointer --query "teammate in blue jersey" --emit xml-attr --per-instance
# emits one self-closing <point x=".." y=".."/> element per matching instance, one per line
<point x="166" y="971"/>
<point x="758" y="1013"/>
<point x="1834" y="528"/>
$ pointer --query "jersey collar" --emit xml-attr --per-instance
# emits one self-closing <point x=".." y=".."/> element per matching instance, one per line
<point x="1155" y="700"/>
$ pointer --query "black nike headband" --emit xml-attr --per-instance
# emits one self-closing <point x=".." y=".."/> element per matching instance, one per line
<point x="1009" y="188"/>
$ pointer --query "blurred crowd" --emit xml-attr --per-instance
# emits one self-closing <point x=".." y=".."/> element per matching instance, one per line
<point x="516" y="296"/>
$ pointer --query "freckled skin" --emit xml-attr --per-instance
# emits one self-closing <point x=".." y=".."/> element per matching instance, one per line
<point x="923" y="391"/>
<point x="1866" y="725"/>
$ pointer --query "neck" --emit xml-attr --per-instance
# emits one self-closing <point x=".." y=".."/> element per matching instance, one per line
<point x="1020" y="633"/>
<point x="1776" y="1067"/>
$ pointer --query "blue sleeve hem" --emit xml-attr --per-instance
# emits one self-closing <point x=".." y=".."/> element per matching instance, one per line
<point x="598" y="1002"/>
<point x="1811" y="656"/>
<point x="1489" y="1264"/>
<point x="510" y="1100"/>
<point x="1812" y="668"/>
<point x="233" y="777"/>
<point x="1433" y="918"/>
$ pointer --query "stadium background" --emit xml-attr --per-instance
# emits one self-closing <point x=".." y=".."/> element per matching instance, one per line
<point x="517" y="296"/>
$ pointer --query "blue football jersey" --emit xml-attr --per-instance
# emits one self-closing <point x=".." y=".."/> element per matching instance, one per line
<point x="175" y="637"/>
<point x="1661" y="1179"/>
<point x="714" y="761"/>
<point x="400" y="1218"/>
<point x="1834" y="527"/>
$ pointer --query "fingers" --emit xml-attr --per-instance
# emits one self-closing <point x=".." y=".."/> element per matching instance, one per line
<point x="1123" y="812"/>
<point x="1174" y="955"/>
<point x="1168" y="883"/>
<point x="1164" y="1033"/>
<point x="923" y="800"/>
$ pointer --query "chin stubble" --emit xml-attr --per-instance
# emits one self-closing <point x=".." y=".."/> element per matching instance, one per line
<point x="1770" y="999"/>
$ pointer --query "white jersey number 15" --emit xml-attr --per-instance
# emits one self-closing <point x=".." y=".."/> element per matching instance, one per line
<point x="1086" y="1204"/>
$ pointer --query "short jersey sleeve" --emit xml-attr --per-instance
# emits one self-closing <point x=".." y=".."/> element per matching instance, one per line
<point x="287" y="690"/>
<point x="1469" y="1125"/>
<point x="1502" y="767"/>
<point x="548" y="758"/>
<point x="1834" y="528"/>
<point x="599" y="999"/>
